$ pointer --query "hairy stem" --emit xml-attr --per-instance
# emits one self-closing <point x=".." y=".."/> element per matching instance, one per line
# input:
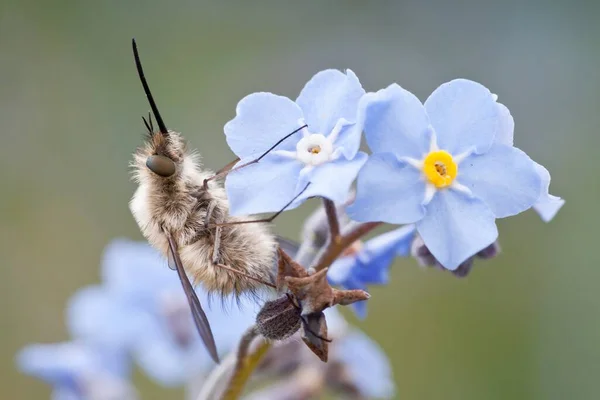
<point x="332" y="219"/>
<point x="335" y="248"/>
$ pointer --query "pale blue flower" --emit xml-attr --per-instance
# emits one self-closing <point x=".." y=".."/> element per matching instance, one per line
<point x="324" y="154"/>
<point x="437" y="165"/>
<point x="78" y="371"/>
<point x="97" y="316"/>
<point x="142" y="307"/>
<point x="356" y="363"/>
<point x="367" y="364"/>
<point x="370" y="265"/>
<point x="547" y="205"/>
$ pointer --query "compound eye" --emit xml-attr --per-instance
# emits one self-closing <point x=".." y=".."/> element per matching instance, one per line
<point x="161" y="165"/>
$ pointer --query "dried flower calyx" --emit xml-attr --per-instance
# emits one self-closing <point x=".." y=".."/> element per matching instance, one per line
<point x="306" y="296"/>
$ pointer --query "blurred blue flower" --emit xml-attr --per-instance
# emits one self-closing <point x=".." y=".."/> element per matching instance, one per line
<point x="370" y="264"/>
<point x="78" y="371"/>
<point x="367" y="364"/>
<point x="142" y="307"/>
<point x="437" y="165"/>
<point x="547" y="205"/>
<point x="325" y="153"/>
<point x="96" y="316"/>
<point x="357" y="367"/>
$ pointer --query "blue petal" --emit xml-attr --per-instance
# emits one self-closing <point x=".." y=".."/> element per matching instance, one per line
<point x="64" y="364"/>
<point x="135" y="272"/>
<point x="506" y="127"/>
<point x="370" y="266"/>
<point x="341" y="270"/>
<point x="547" y="205"/>
<point x="348" y="139"/>
<point x="367" y="364"/>
<point x="167" y="363"/>
<point x="171" y="363"/>
<point x="504" y="177"/>
<point x="398" y="241"/>
<point x="331" y="180"/>
<point x="96" y="317"/>
<point x="262" y="119"/>
<point x="464" y="116"/>
<point x="348" y="273"/>
<point x="230" y="319"/>
<point x="263" y="187"/>
<point x="64" y="393"/>
<point x="329" y="96"/>
<point x="395" y="122"/>
<point x="456" y="227"/>
<point x="388" y="191"/>
<point x="336" y="323"/>
<point x="360" y="309"/>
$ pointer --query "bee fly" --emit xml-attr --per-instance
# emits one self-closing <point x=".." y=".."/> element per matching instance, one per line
<point x="182" y="212"/>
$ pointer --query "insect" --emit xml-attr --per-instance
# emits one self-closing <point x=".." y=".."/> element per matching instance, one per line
<point x="182" y="211"/>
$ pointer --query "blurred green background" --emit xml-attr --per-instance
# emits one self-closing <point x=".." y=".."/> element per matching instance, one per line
<point x="523" y="326"/>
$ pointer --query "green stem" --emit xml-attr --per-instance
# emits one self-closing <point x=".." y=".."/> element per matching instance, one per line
<point x="244" y="370"/>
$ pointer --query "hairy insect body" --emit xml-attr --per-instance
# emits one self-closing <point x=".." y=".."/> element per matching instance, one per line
<point x="179" y="204"/>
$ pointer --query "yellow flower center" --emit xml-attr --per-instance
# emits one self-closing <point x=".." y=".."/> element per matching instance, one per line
<point x="315" y="149"/>
<point x="440" y="168"/>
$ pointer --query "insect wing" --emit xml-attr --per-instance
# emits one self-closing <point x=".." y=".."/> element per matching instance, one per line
<point x="198" y="314"/>
<point x="170" y="260"/>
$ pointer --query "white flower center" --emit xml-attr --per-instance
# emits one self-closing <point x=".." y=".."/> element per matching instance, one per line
<point x="314" y="149"/>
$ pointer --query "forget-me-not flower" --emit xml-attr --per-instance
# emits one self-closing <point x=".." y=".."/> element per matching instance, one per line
<point x="78" y="371"/>
<point x="547" y="205"/>
<point x="324" y="153"/>
<point x="438" y="165"/>
<point x="370" y="264"/>
<point x="142" y="307"/>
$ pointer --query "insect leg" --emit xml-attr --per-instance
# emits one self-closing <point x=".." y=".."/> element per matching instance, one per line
<point x="228" y="168"/>
<point x="268" y="219"/>
<point x="216" y="256"/>
<point x="223" y="171"/>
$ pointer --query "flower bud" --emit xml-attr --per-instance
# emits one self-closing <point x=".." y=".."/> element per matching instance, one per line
<point x="278" y="319"/>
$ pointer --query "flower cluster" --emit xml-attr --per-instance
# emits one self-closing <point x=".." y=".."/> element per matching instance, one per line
<point x="446" y="167"/>
<point x="140" y="313"/>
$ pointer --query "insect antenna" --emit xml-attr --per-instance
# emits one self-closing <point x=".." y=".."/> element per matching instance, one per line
<point x="268" y="219"/>
<point x="138" y="63"/>
<point x="228" y="168"/>
<point x="150" y="120"/>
